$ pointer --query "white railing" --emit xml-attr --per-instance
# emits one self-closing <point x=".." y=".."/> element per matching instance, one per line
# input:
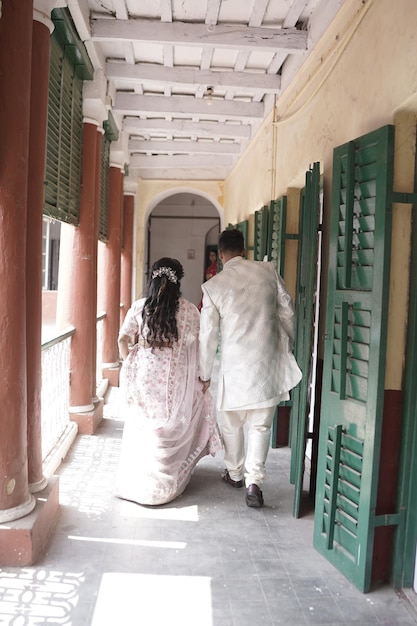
<point x="99" y="354"/>
<point x="57" y="429"/>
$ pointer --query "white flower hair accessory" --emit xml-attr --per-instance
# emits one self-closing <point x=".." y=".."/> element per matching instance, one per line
<point x="168" y="272"/>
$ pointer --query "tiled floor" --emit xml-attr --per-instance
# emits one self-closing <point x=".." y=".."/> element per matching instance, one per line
<point x="203" y="560"/>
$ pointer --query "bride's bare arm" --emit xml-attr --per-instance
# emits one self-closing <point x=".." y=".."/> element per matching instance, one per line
<point x="123" y="342"/>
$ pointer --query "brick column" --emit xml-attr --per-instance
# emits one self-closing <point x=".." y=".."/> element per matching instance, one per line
<point x="82" y="304"/>
<point x="77" y="293"/>
<point x="42" y="28"/>
<point x="127" y="256"/>
<point x="15" y="64"/>
<point x="112" y="263"/>
<point x="100" y="132"/>
<point x="21" y="540"/>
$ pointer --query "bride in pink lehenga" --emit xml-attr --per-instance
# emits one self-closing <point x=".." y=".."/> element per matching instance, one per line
<point x="170" y="423"/>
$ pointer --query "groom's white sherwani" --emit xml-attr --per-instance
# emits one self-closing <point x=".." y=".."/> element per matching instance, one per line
<point x="248" y="305"/>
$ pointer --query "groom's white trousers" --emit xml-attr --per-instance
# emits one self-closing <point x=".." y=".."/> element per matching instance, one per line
<point x="259" y="422"/>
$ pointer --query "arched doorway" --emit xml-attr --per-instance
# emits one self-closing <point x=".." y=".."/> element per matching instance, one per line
<point x="184" y="226"/>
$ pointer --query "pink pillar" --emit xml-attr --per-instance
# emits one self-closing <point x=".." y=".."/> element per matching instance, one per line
<point x="15" y="64"/>
<point x="127" y="256"/>
<point x="37" y="150"/>
<point x="83" y="299"/>
<point x="112" y="262"/>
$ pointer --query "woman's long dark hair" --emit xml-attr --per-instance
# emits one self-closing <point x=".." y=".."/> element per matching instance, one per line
<point x="161" y="304"/>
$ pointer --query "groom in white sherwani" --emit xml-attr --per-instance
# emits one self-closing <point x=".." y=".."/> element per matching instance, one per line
<point x="249" y="307"/>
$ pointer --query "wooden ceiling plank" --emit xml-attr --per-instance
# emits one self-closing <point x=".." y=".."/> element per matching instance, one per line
<point x="165" y="9"/>
<point x="127" y="103"/>
<point x="290" y="21"/>
<point x="188" y="147"/>
<point x="183" y="127"/>
<point x="179" y="160"/>
<point x="258" y="12"/>
<point x="212" y="12"/>
<point x="121" y="10"/>
<point x="230" y="36"/>
<point x="179" y="76"/>
<point x="190" y="173"/>
<point x="294" y="13"/>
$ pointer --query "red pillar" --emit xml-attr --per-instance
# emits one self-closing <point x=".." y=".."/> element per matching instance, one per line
<point x="112" y="262"/>
<point x="82" y="303"/>
<point x="37" y="148"/>
<point x="15" y="63"/>
<point x="127" y="256"/>
<point x="96" y="229"/>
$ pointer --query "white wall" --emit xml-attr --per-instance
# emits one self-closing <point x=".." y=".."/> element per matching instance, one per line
<point x="181" y="227"/>
<point x="181" y="239"/>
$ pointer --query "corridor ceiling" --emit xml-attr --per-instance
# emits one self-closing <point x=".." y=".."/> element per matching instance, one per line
<point x="190" y="81"/>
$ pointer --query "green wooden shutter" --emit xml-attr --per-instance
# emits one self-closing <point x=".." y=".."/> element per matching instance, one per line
<point x="104" y="190"/>
<point x="276" y="233"/>
<point x="310" y="212"/>
<point x="69" y="65"/>
<point x="261" y="234"/>
<point x="244" y="228"/>
<point x="354" y="360"/>
<point x="54" y="125"/>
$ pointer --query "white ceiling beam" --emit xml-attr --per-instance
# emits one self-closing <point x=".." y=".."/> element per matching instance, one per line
<point x="290" y="21"/>
<point x="258" y="12"/>
<point x="294" y="13"/>
<point x="230" y="36"/>
<point x="178" y="160"/>
<point x="183" y="127"/>
<point x="121" y="11"/>
<point x="187" y="147"/>
<point x="182" y="105"/>
<point x="179" y="76"/>
<point x="165" y="9"/>
<point x="212" y="12"/>
<point x="192" y="173"/>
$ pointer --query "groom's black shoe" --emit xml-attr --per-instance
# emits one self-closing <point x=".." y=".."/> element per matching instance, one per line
<point x="254" y="496"/>
<point x="230" y="481"/>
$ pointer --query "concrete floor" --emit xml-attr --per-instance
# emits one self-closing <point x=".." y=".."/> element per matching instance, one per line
<point x="206" y="559"/>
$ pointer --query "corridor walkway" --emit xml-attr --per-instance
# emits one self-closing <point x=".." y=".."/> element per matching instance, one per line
<point x="203" y="560"/>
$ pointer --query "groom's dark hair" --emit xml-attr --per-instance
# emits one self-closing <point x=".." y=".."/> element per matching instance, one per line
<point x="231" y="241"/>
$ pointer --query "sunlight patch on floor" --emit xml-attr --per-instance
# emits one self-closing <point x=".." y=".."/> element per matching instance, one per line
<point x="174" y="512"/>
<point x="175" y="545"/>
<point x="132" y="599"/>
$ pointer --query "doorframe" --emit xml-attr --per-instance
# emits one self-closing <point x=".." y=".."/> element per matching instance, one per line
<point x="405" y="544"/>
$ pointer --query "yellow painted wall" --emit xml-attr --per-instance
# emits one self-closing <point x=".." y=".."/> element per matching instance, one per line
<point x="361" y="76"/>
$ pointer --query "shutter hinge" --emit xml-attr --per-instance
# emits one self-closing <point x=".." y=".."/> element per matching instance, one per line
<point x="404" y="198"/>
<point x="389" y="519"/>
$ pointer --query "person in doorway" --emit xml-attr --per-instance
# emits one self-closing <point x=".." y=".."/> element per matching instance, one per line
<point x="211" y="271"/>
<point x="249" y="304"/>
<point x="170" y="423"/>
<point x="212" y="267"/>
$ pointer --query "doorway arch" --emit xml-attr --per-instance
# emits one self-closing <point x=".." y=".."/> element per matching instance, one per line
<point x="182" y="224"/>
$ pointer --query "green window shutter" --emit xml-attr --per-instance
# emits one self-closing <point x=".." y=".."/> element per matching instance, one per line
<point x="54" y="125"/>
<point x="306" y="308"/>
<point x="69" y="65"/>
<point x="276" y="233"/>
<point x="244" y="228"/>
<point x="355" y="350"/>
<point x="261" y="234"/>
<point x="104" y="190"/>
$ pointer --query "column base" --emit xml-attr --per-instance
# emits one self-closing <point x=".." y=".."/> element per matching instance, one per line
<point x="89" y="421"/>
<point x="22" y="541"/>
<point x="112" y="375"/>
